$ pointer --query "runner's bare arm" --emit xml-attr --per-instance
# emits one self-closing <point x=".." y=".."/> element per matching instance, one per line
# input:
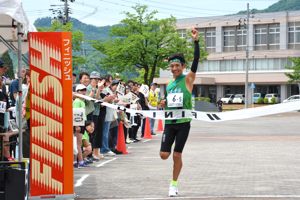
<point x="191" y="76"/>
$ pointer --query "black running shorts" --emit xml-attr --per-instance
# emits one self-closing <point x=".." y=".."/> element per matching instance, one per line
<point x="175" y="132"/>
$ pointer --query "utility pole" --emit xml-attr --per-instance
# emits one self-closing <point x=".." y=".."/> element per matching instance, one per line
<point x="63" y="10"/>
<point x="247" y="56"/>
<point x="83" y="52"/>
<point x="66" y="12"/>
<point x="246" y="26"/>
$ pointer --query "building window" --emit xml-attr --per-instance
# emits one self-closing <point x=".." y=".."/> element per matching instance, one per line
<point x="182" y="33"/>
<point x="211" y="39"/>
<point x="229" y="38"/>
<point x="241" y="38"/>
<point x="274" y="36"/>
<point x="260" y="36"/>
<point x="294" y="35"/>
<point x="271" y="64"/>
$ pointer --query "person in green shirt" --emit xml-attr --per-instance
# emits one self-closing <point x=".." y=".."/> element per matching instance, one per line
<point x="179" y="93"/>
<point x="79" y="130"/>
<point x="86" y="145"/>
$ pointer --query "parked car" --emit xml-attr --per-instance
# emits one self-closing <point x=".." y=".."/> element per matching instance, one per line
<point x="270" y="96"/>
<point x="291" y="99"/>
<point x="256" y="96"/>
<point x="239" y="98"/>
<point x="227" y="98"/>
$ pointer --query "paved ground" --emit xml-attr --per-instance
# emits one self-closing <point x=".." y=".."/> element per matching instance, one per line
<point x="248" y="159"/>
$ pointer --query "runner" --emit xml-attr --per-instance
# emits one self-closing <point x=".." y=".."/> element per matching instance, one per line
<point x="179" y="96"/>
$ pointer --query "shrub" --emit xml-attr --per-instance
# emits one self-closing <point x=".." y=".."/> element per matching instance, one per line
<point x="207" y="99"/>
<point x="266" y="100"/>
<point x="273" y="100"/>
<point x="260" y="100"/>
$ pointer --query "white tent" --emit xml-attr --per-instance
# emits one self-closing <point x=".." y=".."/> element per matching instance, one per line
<point x="14" y="27"/>
<point x="12" y="13"/>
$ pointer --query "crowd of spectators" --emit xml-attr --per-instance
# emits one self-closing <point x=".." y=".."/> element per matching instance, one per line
<point x="97" y="139"/>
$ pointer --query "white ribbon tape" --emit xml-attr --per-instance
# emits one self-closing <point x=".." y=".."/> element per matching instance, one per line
<point x="206" y="116"/>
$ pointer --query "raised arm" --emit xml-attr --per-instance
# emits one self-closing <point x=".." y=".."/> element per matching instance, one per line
<point x="190" y="77"/>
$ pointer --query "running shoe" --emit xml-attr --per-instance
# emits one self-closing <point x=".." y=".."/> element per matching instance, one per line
<point x="84" y="164"/>
<point x="110" y="153"/>
<point x="88" y="160"/>
<point x="173" y="191"/>
<point x="75" y="165"/>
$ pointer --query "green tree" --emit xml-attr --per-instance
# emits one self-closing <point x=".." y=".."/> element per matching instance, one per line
<point x="294" y="77"/>
<point x="144" y="42"/>
<point x="77" y="38"/>
<point x="8" y="63"/>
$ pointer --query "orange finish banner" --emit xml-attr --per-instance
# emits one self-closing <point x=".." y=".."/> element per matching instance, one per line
<point x="51" y="127"/>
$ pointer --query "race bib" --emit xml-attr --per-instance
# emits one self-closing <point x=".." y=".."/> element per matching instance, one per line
<point x="175" y="100"/>
<point x="2" y="107"/>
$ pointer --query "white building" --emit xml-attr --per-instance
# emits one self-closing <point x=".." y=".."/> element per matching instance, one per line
<point x="273" y="37"/>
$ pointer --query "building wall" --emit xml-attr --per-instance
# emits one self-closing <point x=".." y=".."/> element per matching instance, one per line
<point x="270" y="45"/>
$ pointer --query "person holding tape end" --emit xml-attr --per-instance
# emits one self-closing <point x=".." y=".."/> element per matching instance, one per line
<point x="179" y="96"/>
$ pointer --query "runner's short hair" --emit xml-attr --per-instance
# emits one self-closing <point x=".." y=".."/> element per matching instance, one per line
<point x="180" y="56"/>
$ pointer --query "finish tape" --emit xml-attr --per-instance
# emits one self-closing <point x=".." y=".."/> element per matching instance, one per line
<point x="205" y="116"/>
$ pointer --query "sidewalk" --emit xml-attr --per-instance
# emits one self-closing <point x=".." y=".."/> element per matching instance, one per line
<point x="240" y="106"/>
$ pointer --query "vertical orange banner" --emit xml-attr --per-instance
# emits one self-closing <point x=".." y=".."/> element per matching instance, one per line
<point x="51" y="126"/>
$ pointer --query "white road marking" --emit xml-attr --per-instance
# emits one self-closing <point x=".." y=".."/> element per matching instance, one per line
<point x="79" y="182"/>
<point x="146" y="140"/>
<point x="233" y="196"/>
<point x="100" y="165"/>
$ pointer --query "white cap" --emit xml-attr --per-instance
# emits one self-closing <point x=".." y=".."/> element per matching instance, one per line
<point x="80" y="87"/>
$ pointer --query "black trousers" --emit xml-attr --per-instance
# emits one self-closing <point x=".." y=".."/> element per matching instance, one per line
<point x="97" y="141"/>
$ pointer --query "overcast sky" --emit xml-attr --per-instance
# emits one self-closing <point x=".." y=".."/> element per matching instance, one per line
<point x="107" y="12"/>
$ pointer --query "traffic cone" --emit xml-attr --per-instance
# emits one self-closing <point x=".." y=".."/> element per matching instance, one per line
<point x="147" y="134"/>
<point x="160" y="126"/>
<point x="121" y="146"/>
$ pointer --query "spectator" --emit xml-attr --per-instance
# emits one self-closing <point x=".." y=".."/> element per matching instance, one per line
<point x="95" y="88"/>
<point x="79" y="130"/>
<point x="26" y="134"/>
<point x="126" y="130"/>
<point x="84" y="79"/>
<point x="145" y="106"/>
<point x="3" y="77"/>
<point x="219" y="105"/>
<point x="114" y="126"/>
<point x="86" y="145"/>
<point x="137" y="119"/>
<point x="25" y="84"/>
<point x="130" y="83"/>
<point x="153" y="99"/>
<point x="3" y="109"/>
<point x="73" y="82"/>
<point x="14" y="86"/>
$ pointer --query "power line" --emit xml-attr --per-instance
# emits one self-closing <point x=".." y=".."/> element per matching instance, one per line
<point x="196" y="8"/>
<point x="171" y="9"/>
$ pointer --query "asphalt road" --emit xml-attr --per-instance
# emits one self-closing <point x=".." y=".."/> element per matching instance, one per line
<point x="247" y="159"/>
